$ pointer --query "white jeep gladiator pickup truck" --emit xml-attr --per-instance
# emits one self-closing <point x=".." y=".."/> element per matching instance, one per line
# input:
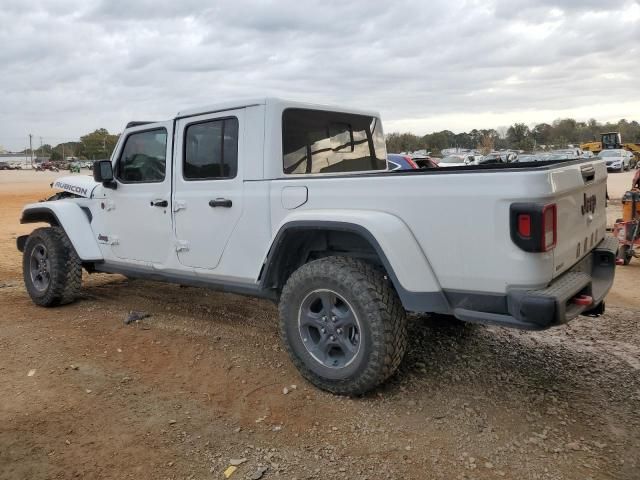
<point x="294" y="203"/>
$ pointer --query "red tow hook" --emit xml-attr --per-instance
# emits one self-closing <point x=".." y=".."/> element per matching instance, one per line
<point x="619" y="261"/>
<point x="584" y="300"/>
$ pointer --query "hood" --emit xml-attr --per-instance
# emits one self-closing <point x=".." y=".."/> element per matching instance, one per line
<point x="80" y="185"/>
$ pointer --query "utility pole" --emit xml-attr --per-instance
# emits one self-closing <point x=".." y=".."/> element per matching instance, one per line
<point x="40" y="145"/>
<point x="31" y="148"/>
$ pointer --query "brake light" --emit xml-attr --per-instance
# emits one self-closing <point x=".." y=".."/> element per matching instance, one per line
<point x="549" y="227"/>
<point x="534" y="226"/>
<point x="524" y="225"/>
<point x="411" y="162"/>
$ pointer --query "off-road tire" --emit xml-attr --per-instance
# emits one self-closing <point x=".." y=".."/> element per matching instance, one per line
<point x="65" y="267"/>
<point x="378" y="308"/>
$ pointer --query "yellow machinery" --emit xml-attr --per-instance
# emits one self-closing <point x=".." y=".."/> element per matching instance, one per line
<point x="611" y="140"/>
<point x="627" y="228"/>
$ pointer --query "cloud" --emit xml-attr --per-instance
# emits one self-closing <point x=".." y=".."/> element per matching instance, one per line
<point x="72" y="66"/>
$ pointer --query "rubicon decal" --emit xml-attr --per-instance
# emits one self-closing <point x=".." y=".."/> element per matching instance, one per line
<point x="71" y="188"/>
<point x="588" y="204"/>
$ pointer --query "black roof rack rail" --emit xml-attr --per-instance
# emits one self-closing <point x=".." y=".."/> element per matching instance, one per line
<point x="137" y="124"/>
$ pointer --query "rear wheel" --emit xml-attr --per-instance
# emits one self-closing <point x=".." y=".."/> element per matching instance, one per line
<point x="51" y="268"/>
<point x="343" y="325"/>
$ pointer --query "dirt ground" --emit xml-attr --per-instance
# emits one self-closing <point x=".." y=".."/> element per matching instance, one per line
<point x="200" y="382"/>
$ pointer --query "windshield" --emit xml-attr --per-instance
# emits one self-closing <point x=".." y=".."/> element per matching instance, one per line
<point x="611" y="153"/>
<point x="452" y="159"/>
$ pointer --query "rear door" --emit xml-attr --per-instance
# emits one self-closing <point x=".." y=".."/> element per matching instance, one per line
<point x="207" y="199"/>
<point x="581" y="190"/>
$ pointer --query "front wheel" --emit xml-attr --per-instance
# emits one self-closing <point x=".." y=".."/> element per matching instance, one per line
<point x="343" y="325"/>
<point x="51" y="268"/>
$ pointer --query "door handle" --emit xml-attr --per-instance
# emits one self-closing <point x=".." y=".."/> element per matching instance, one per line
<point x="159" y="203"/>
<point x="221" y="202"/>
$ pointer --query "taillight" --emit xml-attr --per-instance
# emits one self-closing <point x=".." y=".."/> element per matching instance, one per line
<point x="411" y="162"/>
<point x="524" y="225"/>
<point x="549" y="227"/>
<point x="534" y="226"/>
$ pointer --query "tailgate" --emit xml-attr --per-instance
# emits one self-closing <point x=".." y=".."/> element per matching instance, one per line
<point x="580" y="191"/>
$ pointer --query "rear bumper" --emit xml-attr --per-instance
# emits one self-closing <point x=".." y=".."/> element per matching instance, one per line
<point x="553" y="305"/>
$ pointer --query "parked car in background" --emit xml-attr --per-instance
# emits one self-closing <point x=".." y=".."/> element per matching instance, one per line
<point x="41" y="167"/>
<point x="529" y="157"/>
<point x="398" y="161"/>
<point x="616" y="160"/>
<point x="587" y="154"/>
<point x="459" y="160"/>
<point x="498" y="157"/>
<point x="17" y="166"/>
<point x="568" y="154"/>
<point x="5" y="166"/>
<point x="427" y="162"/>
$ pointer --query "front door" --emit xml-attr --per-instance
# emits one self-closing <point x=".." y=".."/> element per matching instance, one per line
<point x="138" y="212"/>
<point x="207" y="201"/>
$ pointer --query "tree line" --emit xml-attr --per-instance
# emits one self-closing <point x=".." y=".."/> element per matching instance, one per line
<point x="96" y="145"/>
<point x="559" y="134"/>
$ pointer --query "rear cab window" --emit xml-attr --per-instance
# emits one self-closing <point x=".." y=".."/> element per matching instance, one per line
<point x="318" y="142"/>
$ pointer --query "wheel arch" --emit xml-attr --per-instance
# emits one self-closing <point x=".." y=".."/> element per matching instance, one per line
<point x="301" y="240"/>
<point x="74" y="219"/>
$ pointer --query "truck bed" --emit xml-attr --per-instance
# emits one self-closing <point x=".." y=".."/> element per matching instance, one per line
<point x="461" y="218"/>
<point x="517" y="166"/>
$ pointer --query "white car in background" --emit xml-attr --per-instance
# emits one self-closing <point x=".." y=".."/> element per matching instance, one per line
<point x="616" y="159"/>
<point x="459" y="160"/>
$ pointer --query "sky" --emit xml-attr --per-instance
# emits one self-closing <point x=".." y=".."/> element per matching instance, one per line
<point x="72" y="66"/>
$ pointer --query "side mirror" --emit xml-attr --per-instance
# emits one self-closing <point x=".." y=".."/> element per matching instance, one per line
<point x="103" y="173"/>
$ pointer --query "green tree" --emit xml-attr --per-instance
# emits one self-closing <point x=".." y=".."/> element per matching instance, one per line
<point x="565" y="131"/>
<point x="519" y="137"/>
<point x="541" y="133"/>
<point x="403" y="142"/>
<point x="98" y="144"/>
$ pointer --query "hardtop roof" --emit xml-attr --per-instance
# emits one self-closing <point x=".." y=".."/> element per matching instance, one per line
<point x="242" y="103"/>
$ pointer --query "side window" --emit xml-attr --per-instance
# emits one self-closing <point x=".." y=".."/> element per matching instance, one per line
<point x="211" y="150"/>
<point x="143" y="157"/>
<point x="318" y="141"/>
